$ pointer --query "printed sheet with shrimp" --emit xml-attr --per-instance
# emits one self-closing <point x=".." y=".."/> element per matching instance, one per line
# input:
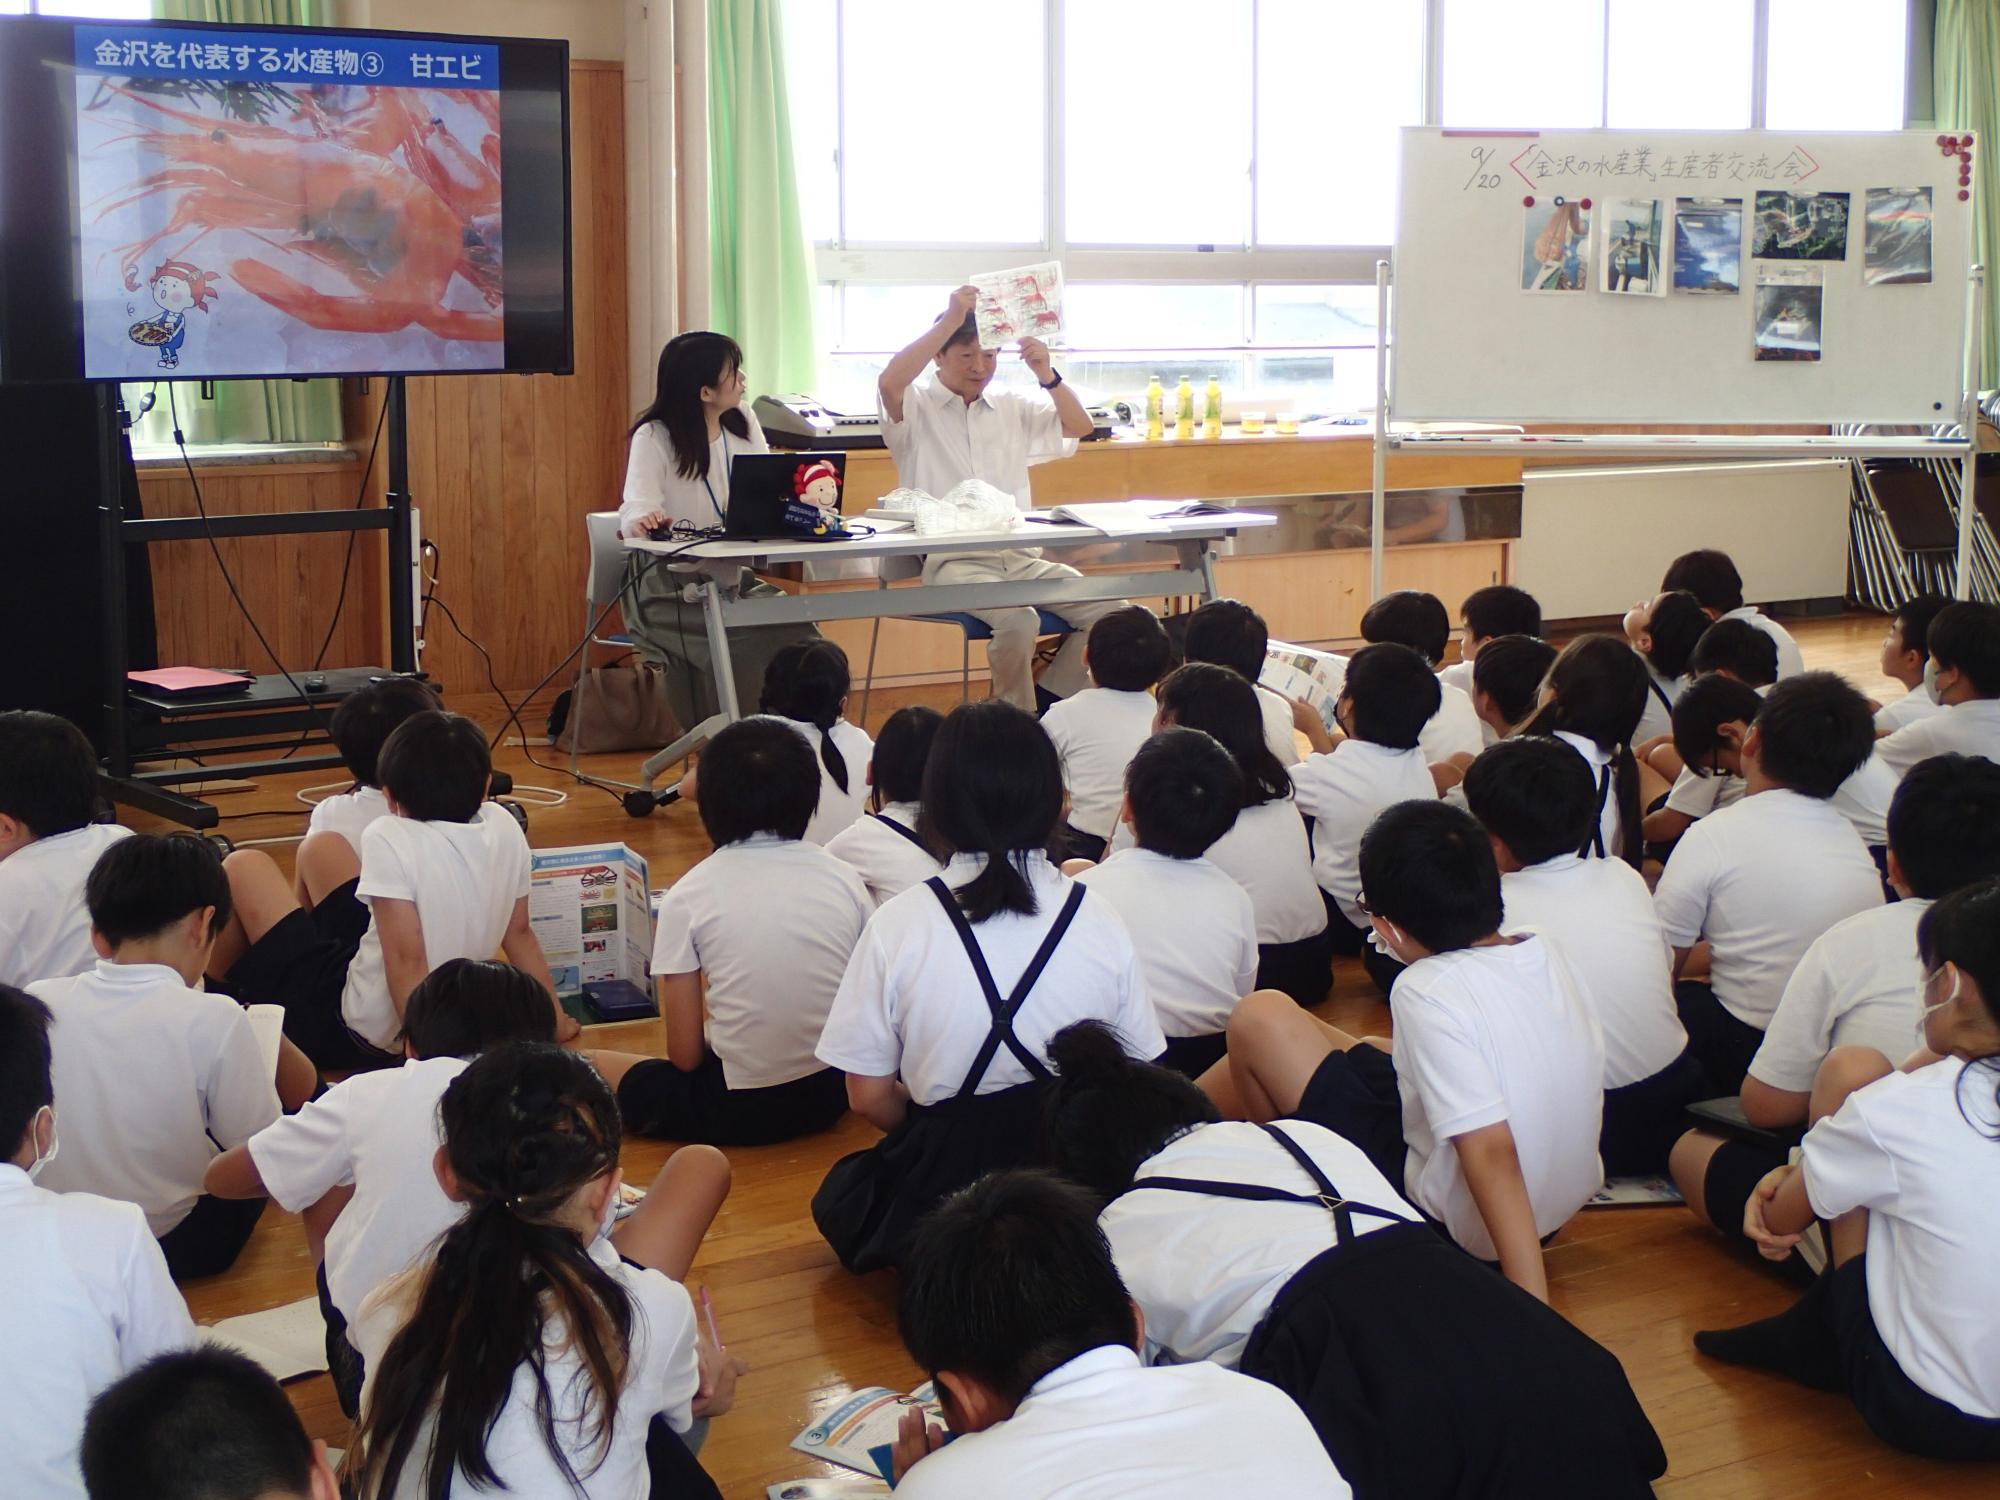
<point x="287" y="201"/>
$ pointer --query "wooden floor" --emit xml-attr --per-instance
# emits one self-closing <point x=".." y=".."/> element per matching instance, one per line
<point x="1641" y="1281"/>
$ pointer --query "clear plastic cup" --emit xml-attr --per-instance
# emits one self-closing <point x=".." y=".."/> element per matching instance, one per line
<point x="1251" y="423"/>
<point x="1288" y="425"/>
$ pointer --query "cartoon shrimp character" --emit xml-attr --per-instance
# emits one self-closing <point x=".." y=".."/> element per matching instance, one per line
<point x="818" y="484"/>
<point x="176" y="286"/>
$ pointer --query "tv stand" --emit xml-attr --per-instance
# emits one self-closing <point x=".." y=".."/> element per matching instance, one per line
<point x="143" y="730"/>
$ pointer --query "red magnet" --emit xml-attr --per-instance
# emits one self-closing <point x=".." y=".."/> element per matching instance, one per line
<point x="1964" y="195"/>
<point x="1586" y="205"/>
<point x="1529" y="201"/>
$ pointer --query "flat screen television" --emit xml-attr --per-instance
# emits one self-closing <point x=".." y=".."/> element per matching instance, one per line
<point x="200" y="202"/>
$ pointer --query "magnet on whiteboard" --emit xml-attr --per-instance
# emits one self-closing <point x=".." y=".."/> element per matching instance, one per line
<point x="1529" y="201"/>
<point x="1586" y="205"/>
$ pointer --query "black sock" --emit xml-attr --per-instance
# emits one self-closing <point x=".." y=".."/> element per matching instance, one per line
<point x="1797" y="1343"/>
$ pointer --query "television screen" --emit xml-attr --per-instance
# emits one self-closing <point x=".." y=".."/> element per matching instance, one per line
<point x="196" y="202"/>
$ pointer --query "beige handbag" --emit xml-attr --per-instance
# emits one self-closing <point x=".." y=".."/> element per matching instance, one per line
<point x="619" y="707"/>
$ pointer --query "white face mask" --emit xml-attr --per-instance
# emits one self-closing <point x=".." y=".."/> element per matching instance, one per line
<point x="1924" y="1018"/>
<point x="608" y="1221"/>
<point x="43" y="1158"/>
<point x="1930" y="679"/>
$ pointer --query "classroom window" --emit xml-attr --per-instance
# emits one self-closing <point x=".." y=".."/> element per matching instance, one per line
<point x="1524" y="63"/>
<point x="1688" y="68"/>
<point x="1837" y="64"/>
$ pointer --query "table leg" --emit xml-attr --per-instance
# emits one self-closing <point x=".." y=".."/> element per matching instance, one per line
<point x="718" y="652"/>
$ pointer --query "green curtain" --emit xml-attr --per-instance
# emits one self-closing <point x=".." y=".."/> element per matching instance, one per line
<point x="761" y="276"/>
<point x="247" y="411"/>
<point x="1964" y="62"/>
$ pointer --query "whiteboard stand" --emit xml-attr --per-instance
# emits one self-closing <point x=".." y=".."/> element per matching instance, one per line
<point x="1693" y="445"/>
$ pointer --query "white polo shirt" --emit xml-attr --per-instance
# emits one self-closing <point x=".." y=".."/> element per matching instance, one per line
<point x="1343" y="791"/>
<point x="1859" y="985"/>
<point x="1968" y="728"/>
<point x="838" y="809"/>
<point x="910" y="1004"/>
<point x="88" y="1301"/>
<point x="771" y="923"/>
<point x="1205" y="1270"/>
<point x="1269" y="854"/>
<point x="1489" y="1034"/>
<point x="1097" y="732"/>
<point x="44" y="925"/>
<point x="1903" y="1149"/>
<point x="378" y="1132"/>
<point x="1696" y="796"/>
<point x="1599" y="914"/>
<point x="464" y="879"/>
<point x="1657" y="720"/>
<point x="1610" y="822"/>
<point x="660" y="1380"/>
<point x="1455" y="729"/>
<point x="1280" y="733"/>
<point x="349" y="814"/>
<point x="653" y="480"/>
<point x="1915" y="704"/>
<point x="887" y="862"/>
<point x="1863" y="799"/>
<point x="942" y="441"/>
<point x="1102" y="1427"/>
<point x="1194" y="932"/>
<point x="1458" y="675"/>
<point x="1761" y="880"/>
<point x="152" y="1079"/>
<point x="1790" y="661"/>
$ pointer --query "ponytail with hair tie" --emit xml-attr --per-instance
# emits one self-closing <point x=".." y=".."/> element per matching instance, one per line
<point x="808" y="681"/>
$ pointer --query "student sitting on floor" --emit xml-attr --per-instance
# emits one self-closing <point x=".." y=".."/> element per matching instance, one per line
<point x="1190" y="922"/>
<point x="1756" y="883"/>
<point x="1859" y="984"/>
<point x="156" y="1076"/>
<point x="945" y="1011"/>
<point x="1282" y="1251"/>
<point x="447" y="877"/>
<point x="359" y="727"/>
<point x="807" y="683"/>
<point x="356" y="1162"/>
<point x="88" y="1297"/>
<point x="1497" y="610"/>
<point x="1664" y="630"/>
<point x="1906" y="653"/>
<point x="209" y="1424"/>
<point x="1507" y="682"/>
<point x="1712" y="578"/>
<point x="1266" y="850"/>
<point x="883" y="846"/>
<point x="1011" y="1304"/>
<point x="766" y="924"/>
<point x="1907" y="1174"/>
<point x="1097" y="731"/>
<point x="1229" y="633"/>
<point x="1711" y="716"/>
<point x="1486" y="1105"/>
<point x="1388" y="696"/>
<point x="1408" y="617"/>
<point x="548" y="1343"/>
<point x="48" y="844"/>
<point x="1592" y="702"/>
<point x="1964" y="678"/>
<point x="1535" y="799"/>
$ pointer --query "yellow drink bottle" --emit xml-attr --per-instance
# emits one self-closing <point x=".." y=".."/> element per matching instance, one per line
<point x="1211" y="421"/>
<point x="1184" y="409"/>
<point x="1155" y="414"/>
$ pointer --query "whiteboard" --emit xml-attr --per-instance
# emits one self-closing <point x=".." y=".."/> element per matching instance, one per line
<point x="1470" y="344"/>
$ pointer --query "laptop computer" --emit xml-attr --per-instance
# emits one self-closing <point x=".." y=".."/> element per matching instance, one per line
<point x="786" y="496"/>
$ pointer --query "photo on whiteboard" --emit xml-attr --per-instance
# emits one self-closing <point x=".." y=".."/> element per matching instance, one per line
<point x="1708" y="246"/>
<point x="1789" y="313"/>
<point x="1896" y="243"/>
<point x="1555" y="247"/>
<point x="1800" y="226"/>
<point x="1634" y="239"/>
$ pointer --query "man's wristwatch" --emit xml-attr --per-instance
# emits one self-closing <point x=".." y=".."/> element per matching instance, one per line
<point x="1052" y="382"/>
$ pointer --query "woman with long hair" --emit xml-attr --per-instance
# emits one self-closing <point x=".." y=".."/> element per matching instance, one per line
<point x="1593" y="700"/>
<point x="677" y="478"/>
<point x="534" y="1352"/>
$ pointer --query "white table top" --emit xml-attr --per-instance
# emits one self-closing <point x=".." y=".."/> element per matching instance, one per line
<point x="904" y="541"/>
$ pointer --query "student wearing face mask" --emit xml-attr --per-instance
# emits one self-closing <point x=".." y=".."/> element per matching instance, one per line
<point x="88" y="1296"/>
<point x="1963" y="678"/>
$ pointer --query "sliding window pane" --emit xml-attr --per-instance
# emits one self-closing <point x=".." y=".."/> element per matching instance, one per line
<point x="1108" y="315"/>
<point x="811" y="45"/>
<point x="1524" y="63"/>
<point x="1334" y="315"/>
<point x="1836" y="65"/>
<point x="1683" y="67"/>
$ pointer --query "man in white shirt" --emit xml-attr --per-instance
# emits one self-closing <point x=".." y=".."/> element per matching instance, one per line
<point x="1712" y="578"/>
<point x="48" y="843"/>
<point x="950" y="428"/>
<point x="155" y="1075"/>
<point x="1758" y="882"/>
<point x="88" y="1296"/>
<point x="1964" y="679"/>
<point x="1010" y="1301"/>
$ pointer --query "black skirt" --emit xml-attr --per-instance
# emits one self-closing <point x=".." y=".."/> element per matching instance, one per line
<point x="870" y="1201"/>
<point x="1431" y="1377"/>
<point x="1303" y="970"/>
<point x="657" y="1099"/>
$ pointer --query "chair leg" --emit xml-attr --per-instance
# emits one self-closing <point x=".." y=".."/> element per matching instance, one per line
<point x="965" y="669"/>
<point x="575" y="725"/>
<point x="868" y="678"/>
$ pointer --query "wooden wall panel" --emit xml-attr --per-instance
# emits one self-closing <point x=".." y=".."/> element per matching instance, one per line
<point x="503" y="468"/>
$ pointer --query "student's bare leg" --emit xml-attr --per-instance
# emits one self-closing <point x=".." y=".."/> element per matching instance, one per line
<point x="297" y="1078"/>
<point x="1274" y="1050"/>
<point x="1688" y="1163"/>
<point x="1845" y="1070"/>
<point x="666" y="1230"/>
<point x="1075" y="867"/>
<point x="326" y="862"/>
<point x="259" y="897"/>
<point x="317" y="1220"/>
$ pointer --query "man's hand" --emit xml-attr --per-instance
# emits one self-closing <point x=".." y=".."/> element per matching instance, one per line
<point x="1035" y="355"/>
<point x="915" y="1439"/>
<point x="962" y="302"/>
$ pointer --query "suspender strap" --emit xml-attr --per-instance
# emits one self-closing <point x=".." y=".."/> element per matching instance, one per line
<point x="1004" y="1011"/>
<point x="909" y="833"/>
<point x="1328" y="1196"/>
<point x="1660" y="693"/>
<point x="1593" y="847"/>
